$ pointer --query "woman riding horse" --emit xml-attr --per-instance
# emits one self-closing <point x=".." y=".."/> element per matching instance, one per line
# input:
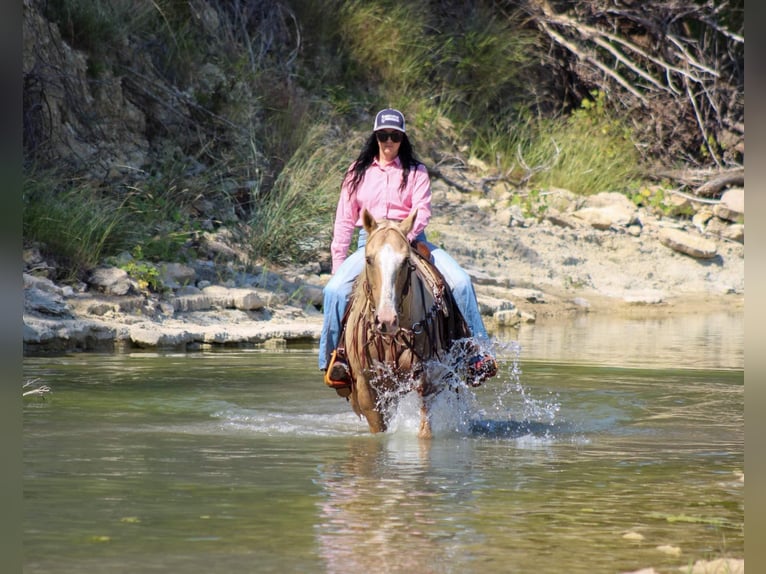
<point x="389" y="182"/>
<point x="403" y="330"/>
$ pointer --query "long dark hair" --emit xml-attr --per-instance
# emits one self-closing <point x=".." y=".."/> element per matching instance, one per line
<point x="370" y="151"/>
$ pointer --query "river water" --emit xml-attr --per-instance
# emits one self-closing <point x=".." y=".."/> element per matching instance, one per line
<point x="604" y="445"/>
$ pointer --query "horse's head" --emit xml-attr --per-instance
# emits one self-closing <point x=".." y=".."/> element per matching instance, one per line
<point x="387" y="267"/>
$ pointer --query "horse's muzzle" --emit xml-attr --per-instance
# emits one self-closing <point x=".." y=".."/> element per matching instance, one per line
<point x="387" y="322"/>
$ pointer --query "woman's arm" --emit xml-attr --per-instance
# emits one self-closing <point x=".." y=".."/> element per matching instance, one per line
<point x="420" y="185"/>
<point x="346" y="214"/>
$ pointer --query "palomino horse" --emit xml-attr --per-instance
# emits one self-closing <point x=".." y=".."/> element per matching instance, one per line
<point x="401" y="316"/>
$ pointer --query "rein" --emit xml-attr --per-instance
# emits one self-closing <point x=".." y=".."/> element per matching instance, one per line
<point x="405" y="339"/>
<point x="433" y="323"/>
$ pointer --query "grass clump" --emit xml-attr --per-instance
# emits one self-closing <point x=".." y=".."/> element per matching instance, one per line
<point x="587" y="152"/>
<point x="295" y="223"/>
<point x="77" y="224"/>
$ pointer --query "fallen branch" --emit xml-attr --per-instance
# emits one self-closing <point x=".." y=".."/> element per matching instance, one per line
<point x="40" y="391"/>
<point x="705" y="182"/>
<point x="694" y="197"/>
<point x="715" y="185"/>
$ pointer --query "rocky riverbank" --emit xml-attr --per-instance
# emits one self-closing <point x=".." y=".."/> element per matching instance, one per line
<point x="600" y="254"/>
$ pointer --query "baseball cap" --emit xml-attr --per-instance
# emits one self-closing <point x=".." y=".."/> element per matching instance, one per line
<point x="389" y="119"/>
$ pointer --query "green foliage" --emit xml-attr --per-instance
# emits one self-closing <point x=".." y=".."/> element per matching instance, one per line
<point x="587" y="152"/>
<point x="597" y="153"/>
<point x="532" y="203"/>
<point x="659" y="201"/>
<point x="81" y="225"/>
<point x="479" y="65"/>
<point x="162" y="209"/>
<point x="97" y="26"/>
<point x="386" y="47"/>
<point x="146" y="274"/>
<point x="76" y="224"/>
<point x="295" y="223"/>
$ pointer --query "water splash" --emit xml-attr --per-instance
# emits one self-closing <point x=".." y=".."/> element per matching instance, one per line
<point x="513" y="411"/>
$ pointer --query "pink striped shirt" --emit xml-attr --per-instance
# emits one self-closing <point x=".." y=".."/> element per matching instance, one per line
<point x="379" y="193"/>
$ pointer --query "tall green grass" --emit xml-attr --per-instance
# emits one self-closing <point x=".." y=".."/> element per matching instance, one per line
<point x="295" y="223"/>
<point x="586" y="152"/>
<point x="77" y="225"/>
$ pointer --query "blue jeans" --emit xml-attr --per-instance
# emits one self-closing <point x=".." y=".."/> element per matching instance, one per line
<point x="339" y="286"/>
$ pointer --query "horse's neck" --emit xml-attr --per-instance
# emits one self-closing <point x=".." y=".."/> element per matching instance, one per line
<point x="418" y="300"/>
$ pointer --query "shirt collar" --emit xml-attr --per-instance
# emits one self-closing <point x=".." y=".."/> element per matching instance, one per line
<point x="397" y="162"/>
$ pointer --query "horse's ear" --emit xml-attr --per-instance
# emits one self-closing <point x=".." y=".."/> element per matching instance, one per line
<point x="406" y="225"/>
<point x="368" y="221"/>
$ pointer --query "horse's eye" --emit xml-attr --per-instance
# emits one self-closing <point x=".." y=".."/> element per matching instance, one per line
<point x="369" y="260"/>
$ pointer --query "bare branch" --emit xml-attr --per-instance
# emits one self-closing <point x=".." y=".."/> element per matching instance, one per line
<point x="588" y="57"/>
<point x="701" y="123"/>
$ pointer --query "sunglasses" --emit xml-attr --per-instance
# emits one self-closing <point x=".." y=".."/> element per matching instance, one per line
<point x="395" y="137"/>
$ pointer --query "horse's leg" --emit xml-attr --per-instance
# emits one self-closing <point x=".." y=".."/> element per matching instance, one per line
<point x="426" y="389"/>
<point x="424" y="431"/>
<point x="366" y="405"/>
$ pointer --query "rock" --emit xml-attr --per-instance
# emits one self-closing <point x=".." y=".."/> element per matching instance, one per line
<point x="595" y="217"/>
<point x="718" y="566"/>
<point x="57" y="335"/>
<point x="233" y="298"/>
<point x="530" y="295"/>
<point x="611" y="207"/>
<point x="507" y="317"/>
<point x="41" y="283"/>
<point x="34" y="263"/>
<point x="735" y="232"/>
<point x="668" y="549"/>
<point x="45" y="302"/>
<point x="732" y="205"/>
<point x="121" y="145"/>
<point x="102" y="308"/>
<point x="701" y="218"/>
<point x="189" y="290"/>
<point x="190" y="303"/>
<point x="688" y="244"/>
<point x="582" y="303"/>
<point x="561" y="200"/>
<point x="561" y="220"/>
<point x="175" y="275"/>
<point x="310" y="295"/>
<point x="527" y="317"/>
<point x="491" y="303"/>
<point x="150" y="337"/>
<point x="676" y="205"/>
<point x="111" y="280"/>
<point x="648" y="297"/>
<point x="516" y="216"/>
<point x="633" y="536"/>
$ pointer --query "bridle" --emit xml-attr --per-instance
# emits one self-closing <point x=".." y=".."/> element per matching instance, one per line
<point x="405" y="339"/>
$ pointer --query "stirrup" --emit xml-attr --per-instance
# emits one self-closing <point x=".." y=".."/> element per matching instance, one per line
<point x="338" y="373"/>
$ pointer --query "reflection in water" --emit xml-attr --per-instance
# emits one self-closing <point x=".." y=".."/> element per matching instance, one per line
<point x="388" y="503"/>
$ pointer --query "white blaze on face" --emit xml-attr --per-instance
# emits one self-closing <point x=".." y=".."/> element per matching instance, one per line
<point x="389" y="262"/>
